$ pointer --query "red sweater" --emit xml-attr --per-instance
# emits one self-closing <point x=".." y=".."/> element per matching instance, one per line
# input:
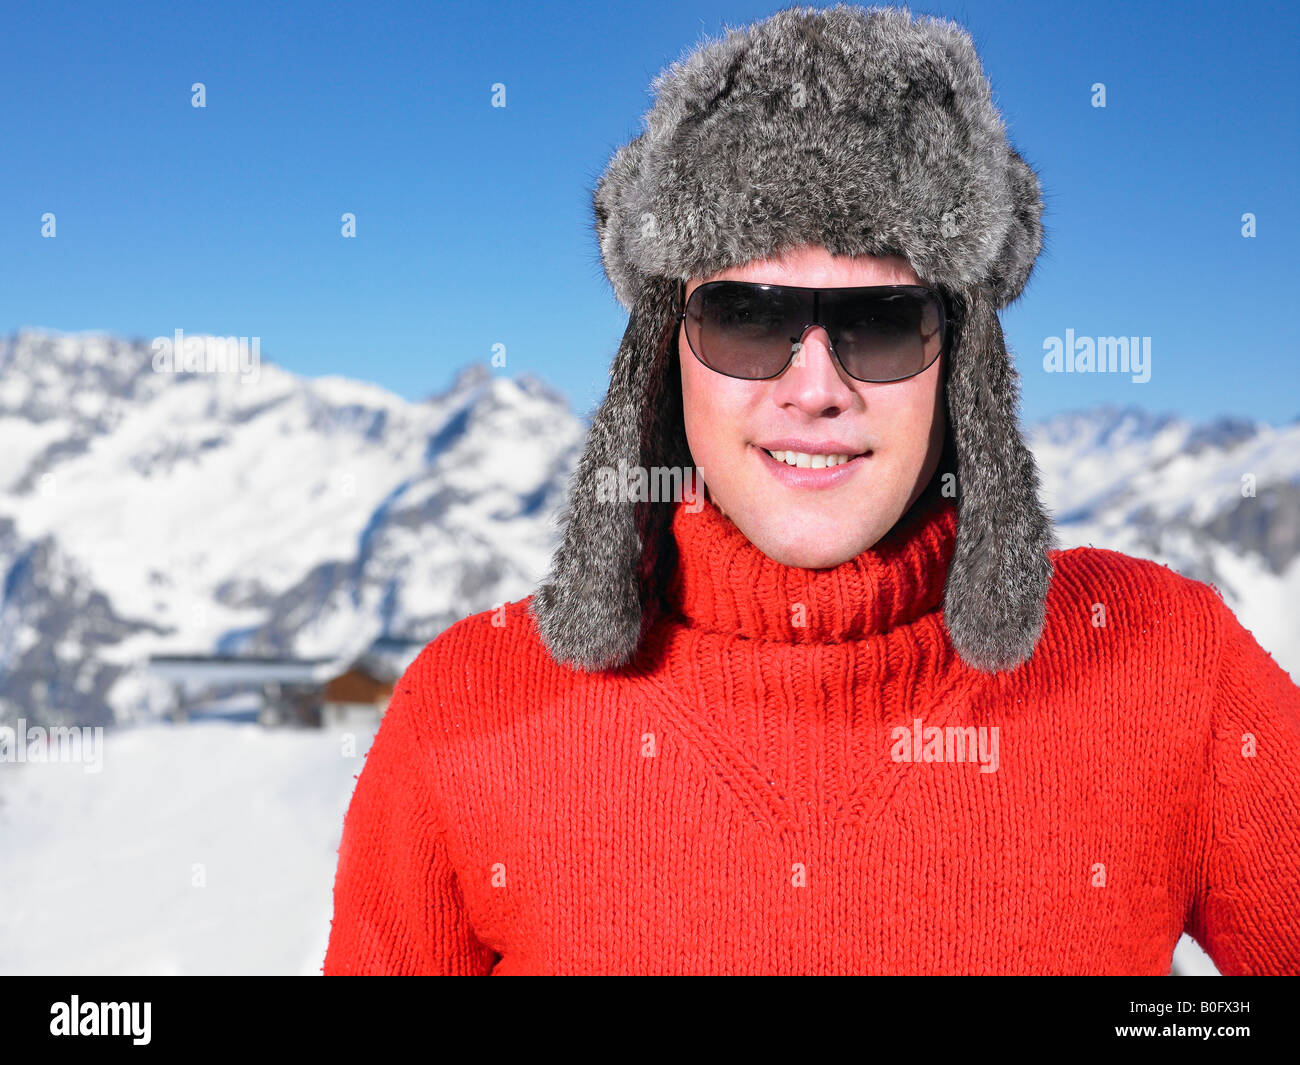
<point x="762" y="791"/>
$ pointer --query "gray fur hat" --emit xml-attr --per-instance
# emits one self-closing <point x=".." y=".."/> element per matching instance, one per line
<point x="866" y="131"/>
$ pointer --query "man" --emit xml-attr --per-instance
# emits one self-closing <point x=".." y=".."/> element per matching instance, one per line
<point x="852" y="711"/>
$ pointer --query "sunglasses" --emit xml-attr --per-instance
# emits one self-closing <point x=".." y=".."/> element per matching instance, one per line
<point x="877" y="334"/>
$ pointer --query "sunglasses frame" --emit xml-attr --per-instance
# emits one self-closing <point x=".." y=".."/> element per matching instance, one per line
<point x="945" y="319"/>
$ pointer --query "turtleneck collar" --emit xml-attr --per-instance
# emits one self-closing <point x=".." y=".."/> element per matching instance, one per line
<point x="724" y="584"/>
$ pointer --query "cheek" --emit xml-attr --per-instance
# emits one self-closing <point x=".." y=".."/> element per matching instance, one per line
<point x="692" y="398"/>
<point x="714" y="409"/>
<point x="912" y="411"/>
<point x="917" y="405"/>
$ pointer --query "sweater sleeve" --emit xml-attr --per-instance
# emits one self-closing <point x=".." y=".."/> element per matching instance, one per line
<point x="1246" y="914"/>
<point x="398" y="909"/>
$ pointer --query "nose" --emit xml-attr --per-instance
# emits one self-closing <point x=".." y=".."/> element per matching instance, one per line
<point x="813" y="381"/>
<point x="813" y="349"/>
<point x="821" y="338"/>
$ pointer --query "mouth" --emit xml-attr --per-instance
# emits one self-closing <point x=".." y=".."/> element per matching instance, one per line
<point x="804" y="460"/>
<point x="815" y="469"/>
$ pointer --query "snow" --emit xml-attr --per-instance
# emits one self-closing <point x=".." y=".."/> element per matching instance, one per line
<point x="199" y="503"/>
<point x="21" y="441"/>
<point x="1191" y="960"/>
<point x="110" y="861"/>
<point x="1115" y="463"/>
<point x="314" y="495"/>
<point x="344" y="391"/>
<point x="1264" y="603"/>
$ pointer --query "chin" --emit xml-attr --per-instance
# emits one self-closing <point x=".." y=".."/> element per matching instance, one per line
<point x="812" y="558"/>
<point x="812" y="545"/>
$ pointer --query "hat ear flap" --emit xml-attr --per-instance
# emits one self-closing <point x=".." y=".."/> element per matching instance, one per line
<point x="590" y="608"/>
<point x="994" y="600"/>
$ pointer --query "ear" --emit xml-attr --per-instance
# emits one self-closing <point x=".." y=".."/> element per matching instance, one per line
<point x="590" y="610"/>
<point x="995" y="597"/>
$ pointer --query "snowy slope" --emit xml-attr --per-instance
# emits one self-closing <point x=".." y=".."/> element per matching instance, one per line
<point x="196" y="849"/>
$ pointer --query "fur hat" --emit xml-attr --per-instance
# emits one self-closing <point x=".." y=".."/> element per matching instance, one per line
<point x="866" y="131"/>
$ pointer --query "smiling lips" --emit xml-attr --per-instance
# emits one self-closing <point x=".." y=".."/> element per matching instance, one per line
<point x="804" y="461"/>
<point x="809" y="454"/>
<point x="801" y="464"/>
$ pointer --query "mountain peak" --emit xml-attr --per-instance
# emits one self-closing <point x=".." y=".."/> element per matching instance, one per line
<point x="476" y="381"/>
<point x="533" y="385"/>
<point x="469" y="378"/>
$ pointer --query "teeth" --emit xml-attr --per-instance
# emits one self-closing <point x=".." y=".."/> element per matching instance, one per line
<point x="805" y="462"/>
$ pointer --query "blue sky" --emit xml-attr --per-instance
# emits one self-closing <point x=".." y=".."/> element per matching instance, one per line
<point x="474" y="223"/>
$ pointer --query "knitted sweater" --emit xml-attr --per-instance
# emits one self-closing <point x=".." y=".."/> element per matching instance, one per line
<point x="797" y="775"/>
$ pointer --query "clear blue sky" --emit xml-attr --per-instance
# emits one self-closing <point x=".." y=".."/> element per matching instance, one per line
<point x="474" y="224"/>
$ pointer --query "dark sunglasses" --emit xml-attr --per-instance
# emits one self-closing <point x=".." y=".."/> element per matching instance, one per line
<point x="877" y="334"/>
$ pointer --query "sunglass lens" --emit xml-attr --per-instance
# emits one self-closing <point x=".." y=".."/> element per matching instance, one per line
<point x="743" y="330"/>
<point x="884" y="337"/>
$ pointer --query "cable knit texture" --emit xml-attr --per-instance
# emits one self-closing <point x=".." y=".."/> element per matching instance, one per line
<point x="798" y="775"/>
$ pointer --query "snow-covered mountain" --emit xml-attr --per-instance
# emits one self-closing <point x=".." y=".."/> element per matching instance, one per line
<point x="146" y="512"/>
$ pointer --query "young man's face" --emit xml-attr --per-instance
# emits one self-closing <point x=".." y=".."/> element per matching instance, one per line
<point x="899" y="426"/>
